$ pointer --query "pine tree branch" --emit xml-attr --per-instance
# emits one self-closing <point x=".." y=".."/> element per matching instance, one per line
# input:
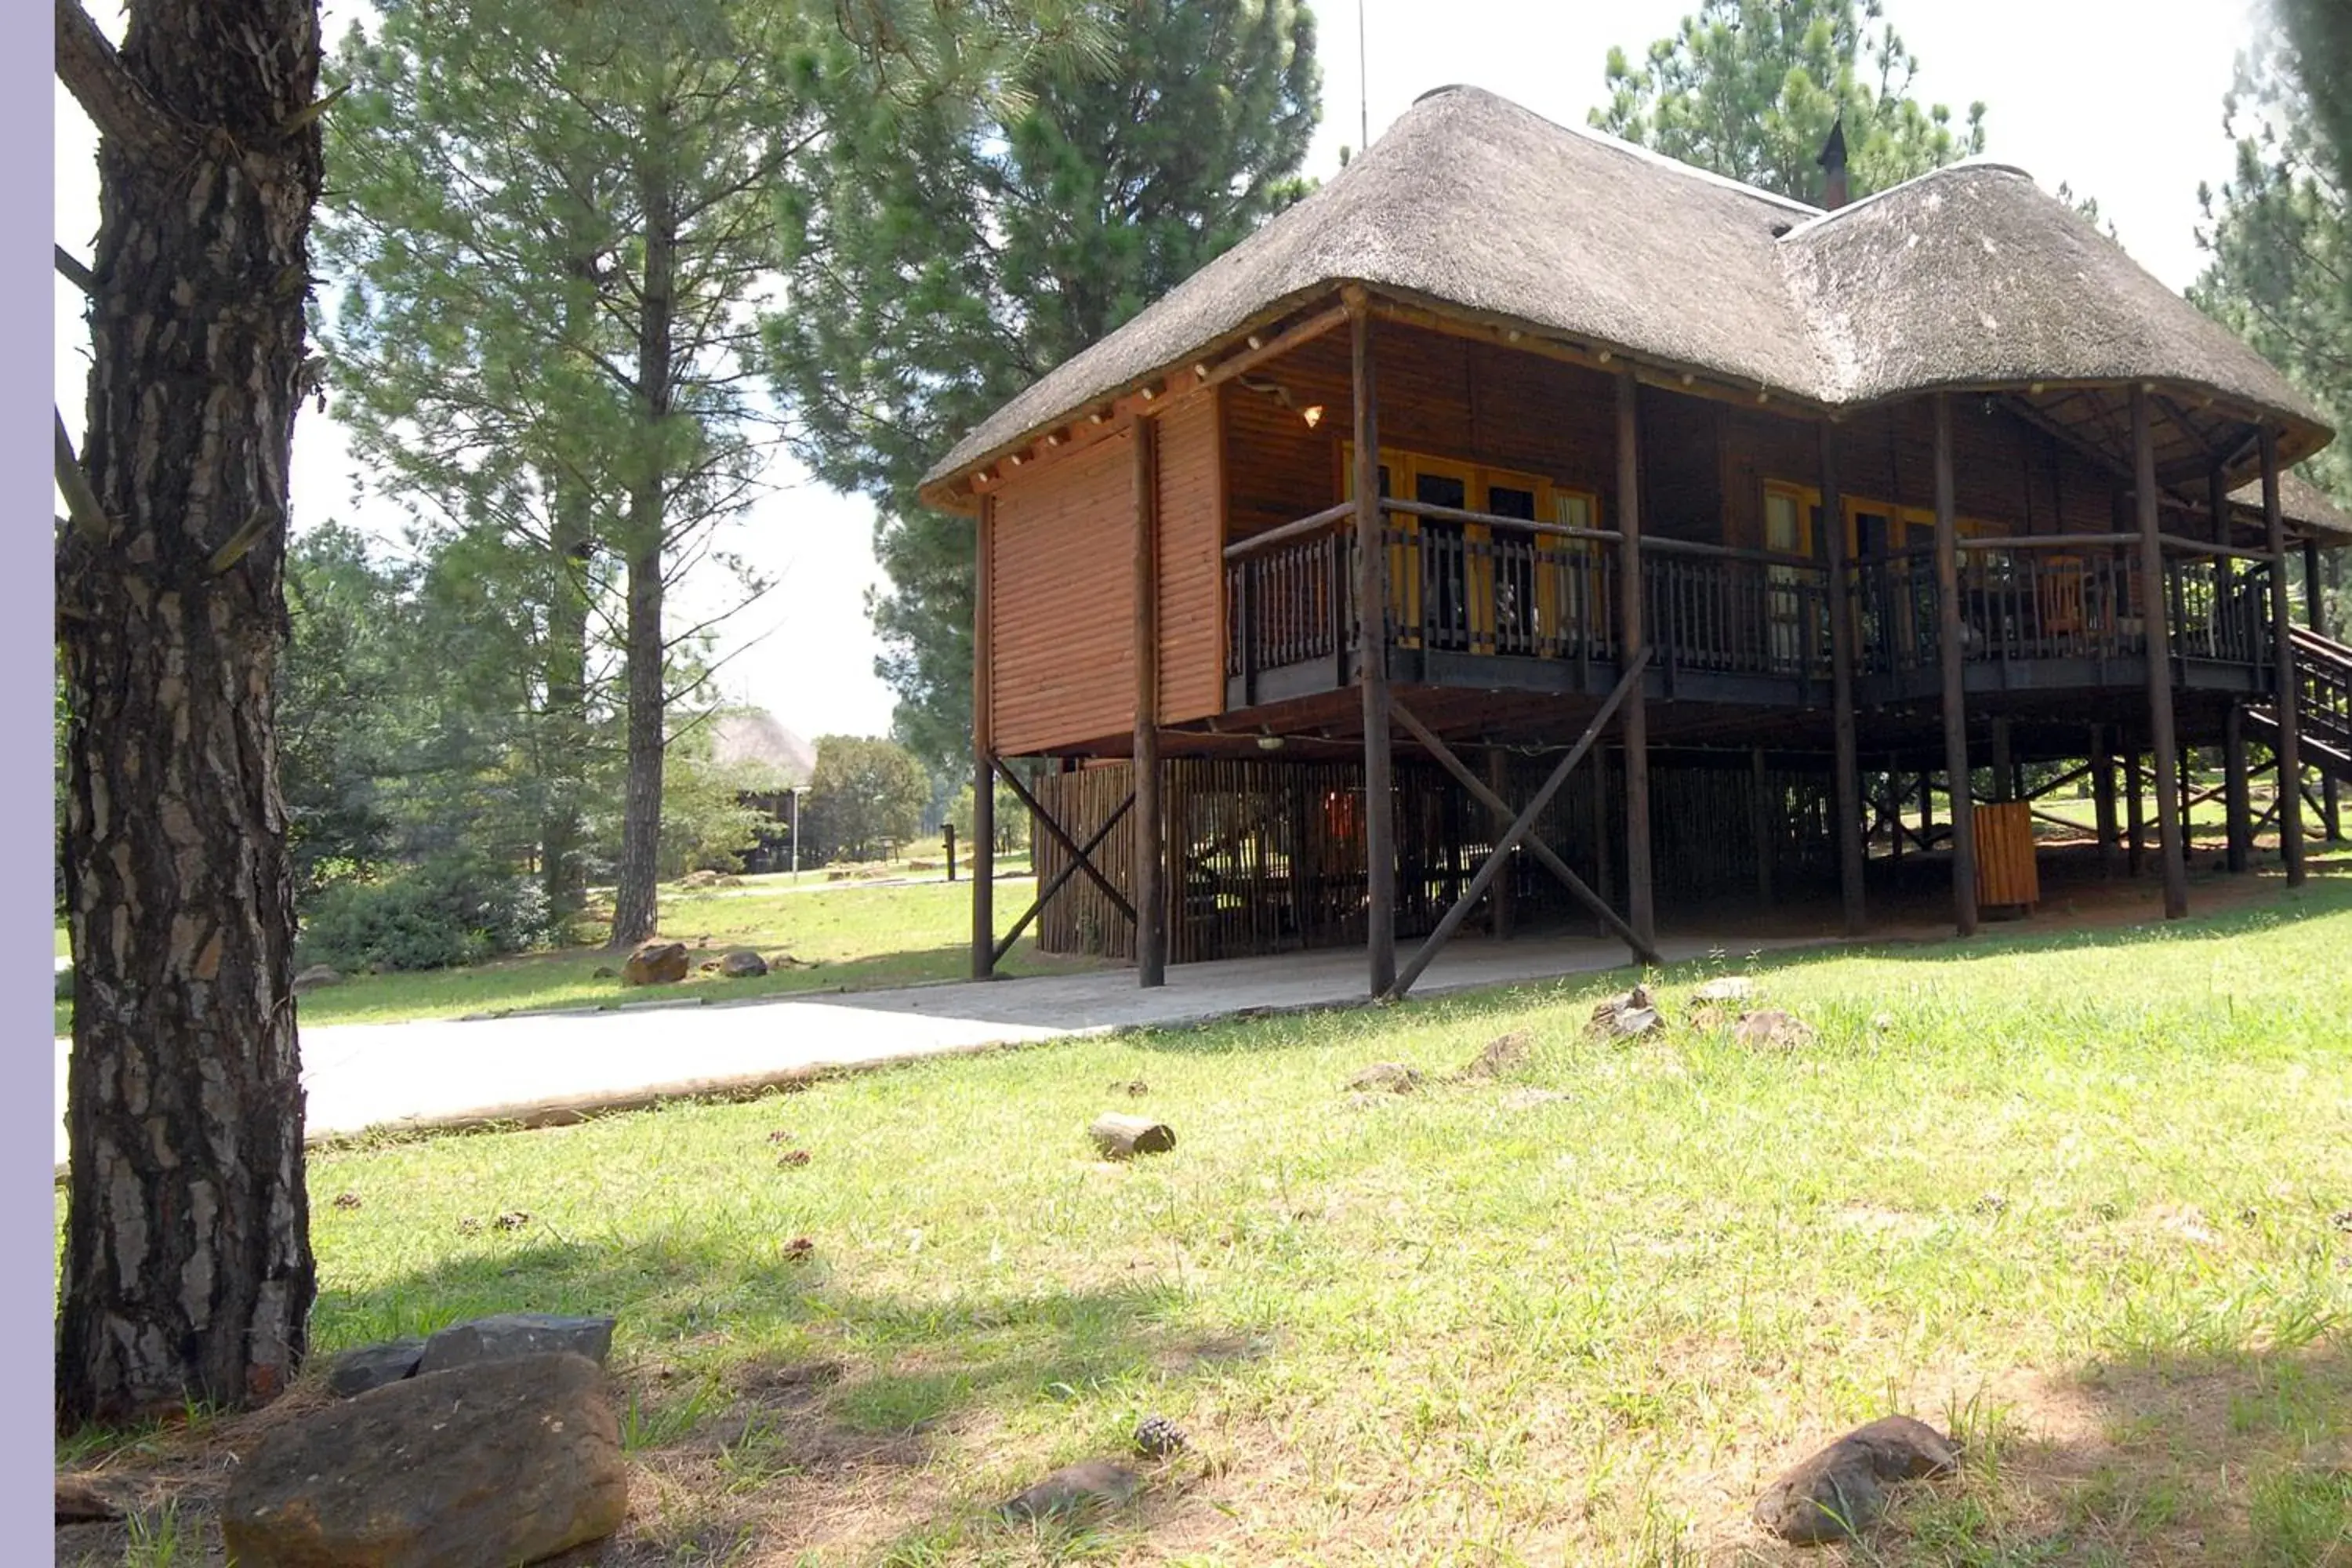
<point x="72" y="269"/>
<point x="81" y="500"/>
<point x="124" y="112"/>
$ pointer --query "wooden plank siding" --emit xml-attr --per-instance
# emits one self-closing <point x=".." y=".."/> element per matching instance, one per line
<point x="1191" y="568"/>
<point x="1062" y="602"/>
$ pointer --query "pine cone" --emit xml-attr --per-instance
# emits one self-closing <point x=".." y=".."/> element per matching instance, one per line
<point x="1159" y="1436"/>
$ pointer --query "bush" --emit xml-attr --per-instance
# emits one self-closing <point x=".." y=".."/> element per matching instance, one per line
<point x="450" y="909"/>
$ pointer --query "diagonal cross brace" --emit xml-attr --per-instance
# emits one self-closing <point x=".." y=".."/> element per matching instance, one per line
<point x="1045" y="820"/>
<point x="1078" y="859"/>
<point x="1635" y="669"/>
<point x="1535" y="845"/>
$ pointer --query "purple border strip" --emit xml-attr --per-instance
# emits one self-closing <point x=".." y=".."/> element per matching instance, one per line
<point x="29" y="1295"/>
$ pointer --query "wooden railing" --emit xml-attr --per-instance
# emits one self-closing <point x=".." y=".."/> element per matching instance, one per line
<point x="1514" y="588"/>
<point x="2322" y="677"/>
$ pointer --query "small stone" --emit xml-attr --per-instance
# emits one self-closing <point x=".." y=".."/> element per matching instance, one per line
<point x="1500" y="1054"/>
<point x="513" y="1335"/>
<point x="1626" y="1015"/>
<point x="655" y="962"/>
<point x="1080" y="1491"/>
<point x="1156" y="1437"/>
<point x="493" y="1466"/>
<point x="1770" y="1028"/>
<point x="1394" y="1076"/>
<point x="372" y="1366"/>
<point x="1841" y="1490"/>
<point x="317" y="977"/>
<point x="742" y="963"/>
<point x="347" y="1200"/>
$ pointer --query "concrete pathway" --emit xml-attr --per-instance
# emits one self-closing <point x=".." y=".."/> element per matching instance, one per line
<point x="558" y="1066"/>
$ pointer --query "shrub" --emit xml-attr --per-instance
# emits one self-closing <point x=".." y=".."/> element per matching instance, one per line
<point x="449" y="910"/>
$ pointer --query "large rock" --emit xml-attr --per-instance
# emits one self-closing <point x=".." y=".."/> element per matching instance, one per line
<point x="742" y="963"/>
<point x="511" y="1335"/>
<point x="1841" y="1490"/>
<point x="1394" y="1076"/>
<point x="492" y="1467"/>
<point x="1076" y="1492"/>
<point x="655" y="964"/>
<point x="372" y="1366"/>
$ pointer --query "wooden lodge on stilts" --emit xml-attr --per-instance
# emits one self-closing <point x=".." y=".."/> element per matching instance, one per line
<point x="1528" y="529"/>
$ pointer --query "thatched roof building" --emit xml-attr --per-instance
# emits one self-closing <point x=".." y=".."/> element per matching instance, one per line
<point x="1971" y="277"/>
<point x="752" y="735"/>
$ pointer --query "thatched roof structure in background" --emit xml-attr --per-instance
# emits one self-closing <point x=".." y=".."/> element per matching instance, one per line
<point x="1971" y="277"/>
<point x="752" y="736"/>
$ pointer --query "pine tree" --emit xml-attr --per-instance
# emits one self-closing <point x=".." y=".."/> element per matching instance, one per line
<point x="1749" y="89"/>
<point x="943" y="256"/>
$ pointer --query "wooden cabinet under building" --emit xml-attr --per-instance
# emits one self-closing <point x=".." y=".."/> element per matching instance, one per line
<point x="2007" y="878"/>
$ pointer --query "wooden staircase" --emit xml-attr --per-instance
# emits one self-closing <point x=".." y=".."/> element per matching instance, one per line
<point x="2323" y="678"/>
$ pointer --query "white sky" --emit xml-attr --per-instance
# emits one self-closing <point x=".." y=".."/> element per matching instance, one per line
<point x="2122" y="98"/>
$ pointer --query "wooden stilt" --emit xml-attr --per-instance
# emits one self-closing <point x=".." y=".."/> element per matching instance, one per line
<point x="2172" y="844"/>
<point x="984" y="755"/>
<point x="1926" y="811"/>
<point x="1498" y="773"/>
<point x="2103" y="801"/>
<point x="1373" y="663"/>
<point x="2134" y="816"/>
<point x="1956" y="717"/>
<point x="1151" y="848"/>
<point x="1641" y="913"/>
<point x="1847" y="793"/>
<point x="2239" y="798"/>
<point x="2288" y="741"/>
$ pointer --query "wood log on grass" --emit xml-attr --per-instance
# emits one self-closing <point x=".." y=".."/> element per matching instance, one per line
<point x="1124" y="1137"/>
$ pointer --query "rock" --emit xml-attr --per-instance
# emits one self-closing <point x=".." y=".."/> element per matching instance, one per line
<point x="372" y="1366"/>
<point x="314" y="978"/>
<point x="1394" y="1076"/>
<point x="742" y="963"/>
<point x="511" y="1335"/>
<point x="1770" y="1028"/>
<point x="1503" y="1053"/>
<point x="80" y="1502"/>
<point x="1729" y="988"/>
<point x="1841" y="1490"/>
<point x="485" y="1468"/>
<point x="655" y="962"/>
<point x="1087" y="1488"/>
<point x="1626" y="1015"/>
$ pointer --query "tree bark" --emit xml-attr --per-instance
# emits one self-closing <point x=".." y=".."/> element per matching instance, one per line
<point x="562" y="869"/>
<point x="187" y="1272"/>
<point x="636" y="912"/>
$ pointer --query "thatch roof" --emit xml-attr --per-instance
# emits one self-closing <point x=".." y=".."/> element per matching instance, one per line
<point x="751" y="735"/>
<point x="1968" y="276"/>
<point x="2301" y="502"/>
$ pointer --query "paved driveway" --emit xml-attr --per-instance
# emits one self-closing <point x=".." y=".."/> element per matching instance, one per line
<point x="361" y="1075"/>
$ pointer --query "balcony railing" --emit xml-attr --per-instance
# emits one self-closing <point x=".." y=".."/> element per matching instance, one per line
<point x="1469" y="584"/>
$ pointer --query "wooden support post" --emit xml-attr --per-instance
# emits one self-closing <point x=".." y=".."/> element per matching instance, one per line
<point x="1373" y="663"/>
<point x="2103" y="800"/>
<point x="2288" y="741"/>
<point x="1847" y="795"/>
<point x="1498" y="773"/>
<point x="1640" y="912"/>
<point x="2134" y="816"/>
<point x="1150" y="846"/>
<point x="2238" y="798"/>
<point x="1955" y="714"/>
<point x="947" y="842"/>
<point x="983" y="754"/>
<point x="1760" y="825"/>
<point x="2315" y="612"/>
<point x="2155" y="617"/>
<point x="1926" y="811"/>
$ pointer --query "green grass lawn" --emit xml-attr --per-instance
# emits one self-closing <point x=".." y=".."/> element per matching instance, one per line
<point x="2082" y="1198"/>
<point x="847" y="936"/>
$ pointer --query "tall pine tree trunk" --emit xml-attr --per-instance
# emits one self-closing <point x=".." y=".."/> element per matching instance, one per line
<point x="563" y="872"/>
<point x="636" y="912"/>
<point x="187" y="1269"/>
